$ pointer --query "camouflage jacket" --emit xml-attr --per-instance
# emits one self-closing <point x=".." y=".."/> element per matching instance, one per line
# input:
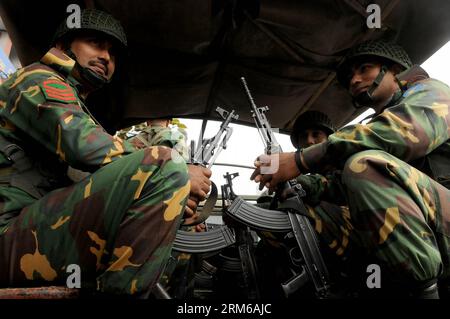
<point x="41" y="111"/>
<point x="415" y="130"/>
<point x="173" y="137"/>
<point x="323" y="188"/>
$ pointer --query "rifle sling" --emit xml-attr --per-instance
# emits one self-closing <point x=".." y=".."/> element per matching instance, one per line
<point x="207" y="208"/>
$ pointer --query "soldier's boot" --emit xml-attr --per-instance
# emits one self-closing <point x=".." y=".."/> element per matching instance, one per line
<point x="428" y="292"/>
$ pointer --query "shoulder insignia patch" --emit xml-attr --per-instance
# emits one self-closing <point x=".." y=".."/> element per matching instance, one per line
<point x="59" y="91"/>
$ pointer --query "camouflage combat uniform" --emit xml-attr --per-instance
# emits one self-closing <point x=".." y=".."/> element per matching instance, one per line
<point x="327" y="207"/>
<point x="178" y="274"/>
<point x="118" y="224"/>
<point x="391" y="167"/>
<point x="324" y="200"/>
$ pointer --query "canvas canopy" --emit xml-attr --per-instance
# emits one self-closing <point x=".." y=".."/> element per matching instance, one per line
<point x="187" y="56"/>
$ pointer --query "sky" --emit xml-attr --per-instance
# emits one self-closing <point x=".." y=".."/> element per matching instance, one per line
<point x="243" y="147"/>
<point x="245" y="143"/>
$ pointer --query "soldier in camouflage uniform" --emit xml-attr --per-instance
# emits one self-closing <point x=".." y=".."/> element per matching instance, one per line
<point x="118" y="224"/>
<point x="162" y="132"/>
<point x="395" y="169"/>
<point x="325" y="200"/>
<point x="158" y="132"/>
<point x="311" y="127"/>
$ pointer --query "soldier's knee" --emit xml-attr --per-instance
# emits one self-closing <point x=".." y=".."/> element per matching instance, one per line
<point x="173" y="166"/>
<point x="361" y="165"/>
<point x="165" y="166"/>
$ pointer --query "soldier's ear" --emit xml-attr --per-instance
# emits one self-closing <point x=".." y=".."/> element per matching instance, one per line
<point x="63" y="44"/>
<point x="59" y="45"/>
<point x="396" y="69"/>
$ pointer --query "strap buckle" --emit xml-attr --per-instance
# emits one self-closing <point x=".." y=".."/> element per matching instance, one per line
<point x="10" y="149"/>
<point x="298" y="189"/>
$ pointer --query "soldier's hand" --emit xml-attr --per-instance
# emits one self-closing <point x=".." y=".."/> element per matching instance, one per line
<point x="158" y="122"/>
<point x="190" y="214"/>
<point x="200" y="187"/>
<point x="200" y="228"/>
<point x="270" y="170"/>
<point x="200" y="182"/>
<point x="137" y="143"/>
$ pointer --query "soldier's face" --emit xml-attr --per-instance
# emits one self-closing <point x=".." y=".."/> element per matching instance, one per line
<point x="310" y="137"/>
<point x="95" y="53"/>
<point x="362" y="77"/>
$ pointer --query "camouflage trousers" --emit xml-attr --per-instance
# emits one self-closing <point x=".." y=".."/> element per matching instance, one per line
<point x="397" y="214"/>
<point x="117" y="225"/>
<point x="333" y="226"/>
<point x="178" y="276"/>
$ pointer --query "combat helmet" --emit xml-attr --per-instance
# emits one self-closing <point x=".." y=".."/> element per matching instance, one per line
<point x="387" y="51"/>
<point x="309" y="120"/>
<point x="94" y="20"/>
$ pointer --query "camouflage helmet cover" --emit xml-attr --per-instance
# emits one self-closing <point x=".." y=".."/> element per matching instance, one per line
<point x="95" y="20"/>
<point x="385" y="50"/>
<point x="309" y="120"/>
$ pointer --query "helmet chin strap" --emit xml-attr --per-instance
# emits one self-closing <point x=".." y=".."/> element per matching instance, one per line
<point x="94" y="80"/>
<point x="365" y="99"/>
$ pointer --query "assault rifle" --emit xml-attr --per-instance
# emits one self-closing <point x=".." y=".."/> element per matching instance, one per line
<point x="210" y="148"/>
<point x="294" y="211"/>
<point x="205" y="155"/>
